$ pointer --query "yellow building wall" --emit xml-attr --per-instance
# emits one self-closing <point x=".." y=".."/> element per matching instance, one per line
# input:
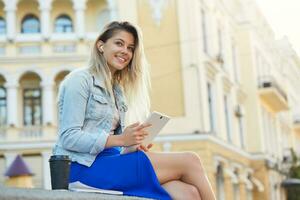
<point x="248" y="80"/>
<point x="62" y="7"/>
<point x="162" y="48"/>
<point x="2" y="13"/>
<point x="25" y="7"/>
<point x="94" y="7"/>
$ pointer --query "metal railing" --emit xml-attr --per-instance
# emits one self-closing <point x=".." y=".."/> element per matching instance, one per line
<point x="31" y="132"/>
<point x="269" y="82"/>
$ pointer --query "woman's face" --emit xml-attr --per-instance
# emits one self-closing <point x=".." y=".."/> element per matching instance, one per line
<point x="118" y="50"/>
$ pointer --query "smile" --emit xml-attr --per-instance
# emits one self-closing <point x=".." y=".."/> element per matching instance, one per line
<point x="121" y="59"/>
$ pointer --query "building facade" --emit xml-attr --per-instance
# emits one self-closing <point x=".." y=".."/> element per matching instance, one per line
<point x="230" y="87"/>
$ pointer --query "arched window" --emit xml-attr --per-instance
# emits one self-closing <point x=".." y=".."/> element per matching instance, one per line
<point x="30" y="24"/>
<point x="63" y="24"/>
<point x="3" y="113"/>
<point x="2" y="26"/>
<point x="32" y="107"/>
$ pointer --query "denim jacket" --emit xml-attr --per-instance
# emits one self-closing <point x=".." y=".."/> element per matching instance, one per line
<point x="85" y="112"/>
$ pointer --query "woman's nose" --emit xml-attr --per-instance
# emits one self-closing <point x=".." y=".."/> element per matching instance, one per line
<point x="125" y="50"/>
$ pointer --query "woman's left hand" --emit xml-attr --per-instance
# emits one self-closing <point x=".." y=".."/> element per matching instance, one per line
<point x="145" y="148"/>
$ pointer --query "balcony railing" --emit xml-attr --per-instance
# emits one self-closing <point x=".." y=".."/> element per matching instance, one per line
<point x="31" y="132"/>
<point x="272" y="94"/>
<point x="297" y="123"/>
<point x="27" y="134"/>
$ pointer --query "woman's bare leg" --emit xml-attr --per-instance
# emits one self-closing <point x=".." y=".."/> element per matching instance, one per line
<point x="179" y="190"/>
<point x="185" y="167"/>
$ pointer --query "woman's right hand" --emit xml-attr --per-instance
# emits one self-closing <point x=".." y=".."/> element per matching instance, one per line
<point x="134" y="134"/>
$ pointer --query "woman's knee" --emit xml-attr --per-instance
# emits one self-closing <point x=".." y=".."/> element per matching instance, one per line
<point x="193" y="159"/>
<point x="192" y="193"/>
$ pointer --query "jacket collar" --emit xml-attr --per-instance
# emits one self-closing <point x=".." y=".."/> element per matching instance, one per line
<point x="98" y="81"/>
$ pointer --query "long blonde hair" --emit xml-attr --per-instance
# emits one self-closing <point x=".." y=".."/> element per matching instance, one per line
<point x="134" y="79"/>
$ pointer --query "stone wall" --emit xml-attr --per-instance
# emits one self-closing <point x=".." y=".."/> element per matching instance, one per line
<point x="40" y="194"/>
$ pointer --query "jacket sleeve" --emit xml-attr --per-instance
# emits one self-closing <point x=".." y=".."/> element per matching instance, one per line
<point x="73" y="109"/>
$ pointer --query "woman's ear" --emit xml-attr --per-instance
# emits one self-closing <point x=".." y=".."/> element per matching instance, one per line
<point x="100" y="46"/>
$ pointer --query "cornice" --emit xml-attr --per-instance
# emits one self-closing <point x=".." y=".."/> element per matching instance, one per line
<point x="43" y="59"/>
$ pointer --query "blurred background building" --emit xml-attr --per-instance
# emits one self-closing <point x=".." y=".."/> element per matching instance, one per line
<point x="231" y="88"/>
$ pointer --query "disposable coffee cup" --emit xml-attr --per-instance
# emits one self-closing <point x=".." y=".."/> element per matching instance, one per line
<point x="59" y="170"/>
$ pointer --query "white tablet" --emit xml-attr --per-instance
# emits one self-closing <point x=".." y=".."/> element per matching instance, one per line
<point x="158" y="121"/>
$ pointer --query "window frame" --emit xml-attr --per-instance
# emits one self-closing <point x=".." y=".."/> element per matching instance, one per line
<point x="3" y="27"/>
<point x="64" y="28"/>
<point x="32" y="107"/>
<point x="30" y="17"/>
<point x="3" y="105"/>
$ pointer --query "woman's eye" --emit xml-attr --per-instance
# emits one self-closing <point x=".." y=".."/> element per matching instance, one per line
<point x="119" y="43"/>
<point x="131" y="49"/>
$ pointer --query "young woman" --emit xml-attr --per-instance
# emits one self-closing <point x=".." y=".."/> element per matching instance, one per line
<point x="92" y="125"/>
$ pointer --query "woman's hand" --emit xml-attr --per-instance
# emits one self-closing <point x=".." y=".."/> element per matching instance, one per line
<point x="134" y="134"/>
<point x="144" y="148"/>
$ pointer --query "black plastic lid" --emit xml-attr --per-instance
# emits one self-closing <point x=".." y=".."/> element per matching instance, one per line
<point x="59" y="157"/>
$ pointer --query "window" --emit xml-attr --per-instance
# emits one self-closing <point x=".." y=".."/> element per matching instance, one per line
<point x="211" y="107"/>
<point x="234" y="61"/>
<point x="204" y="31"/>
<point x="63" y="24"/>
<point x="227" y="118"/>
<point x="2" y="26"/>
<point x="220" y="183"/>
<point x="30" y="24"/>
<point x="32" y="107"/>
<point x="3" y="112"/>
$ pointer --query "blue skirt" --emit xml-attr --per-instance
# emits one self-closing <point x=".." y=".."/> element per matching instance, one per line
<point x="131" y="173"/>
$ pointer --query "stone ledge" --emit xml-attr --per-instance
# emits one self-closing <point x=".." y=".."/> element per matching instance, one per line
<point x="7" y="193"/>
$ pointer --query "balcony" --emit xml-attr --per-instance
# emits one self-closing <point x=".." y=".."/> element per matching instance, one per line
<point x="272" y="94"/>
<point x="297" y="123"/>
<point x="9" y="135"/>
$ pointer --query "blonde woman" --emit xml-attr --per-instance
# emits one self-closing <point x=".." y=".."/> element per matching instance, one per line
<point x="92" y="131"/>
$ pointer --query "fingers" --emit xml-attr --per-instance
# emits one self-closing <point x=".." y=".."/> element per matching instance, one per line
<point x="143" y="148"/>
<point x="134" y="125"/>
<point x="142" y="126"/>
<point x="149" y="146"/>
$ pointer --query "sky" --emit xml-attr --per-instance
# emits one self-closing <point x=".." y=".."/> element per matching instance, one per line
<point x="283" y="16"/>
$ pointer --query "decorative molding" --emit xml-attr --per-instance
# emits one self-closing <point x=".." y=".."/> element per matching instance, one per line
<point x="44" y="59"/>
<point x="79" y="4"/>
<point x="10" y="5"/>
<point x="45" y="4"/>
<point x="157" y="7"/>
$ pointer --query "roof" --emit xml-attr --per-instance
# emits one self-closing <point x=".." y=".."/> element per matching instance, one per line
<point x="18" y="168"/>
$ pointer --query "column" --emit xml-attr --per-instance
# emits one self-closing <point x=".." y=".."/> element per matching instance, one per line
<point x="10" y="9"/>
<point x="79" y="7"/>
<point x="46" y="170"/>
<point x="45" y="7"/>
<point x="12" y="104"/>
<point x="113" y="9"/>
<point x="228" y="184"/>
<point x="48" y="104"/>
